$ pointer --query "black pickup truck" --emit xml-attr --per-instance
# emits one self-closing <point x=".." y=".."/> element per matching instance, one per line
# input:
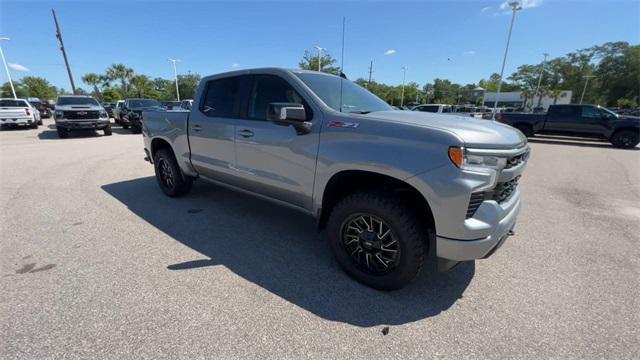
<point x="589" y="121"/>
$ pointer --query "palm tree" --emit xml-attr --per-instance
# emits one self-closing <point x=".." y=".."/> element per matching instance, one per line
<point x="93" y="80"/>
<point x="122" y="73"/>
<point x="140" y="83"/>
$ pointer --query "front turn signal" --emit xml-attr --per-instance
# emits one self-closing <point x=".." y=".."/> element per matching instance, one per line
<point x="456" y="154"/>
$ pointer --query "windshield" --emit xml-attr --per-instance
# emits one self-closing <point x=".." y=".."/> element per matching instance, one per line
<point x="143" y="103"/>
<point x="354" y="98"/>
<point x="13" y="103"/>
<point x="77" y="101"/>
<point x="608" y="112"/>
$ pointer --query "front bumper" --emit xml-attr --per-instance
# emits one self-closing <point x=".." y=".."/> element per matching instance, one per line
<point x="461" y="235"/>
<point x="83" y="124"/>
<point x="461" y="250"/>
<point x="21" y="121"/>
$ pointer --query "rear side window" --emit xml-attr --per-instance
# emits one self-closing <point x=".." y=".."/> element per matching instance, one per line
<point x="221" y="97"/>
<point x="564" y="112"/>
<point x="13" y="103"/>
<point x="270" y="89"/>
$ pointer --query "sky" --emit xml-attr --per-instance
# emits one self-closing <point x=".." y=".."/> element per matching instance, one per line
<point x="462" y="41"/>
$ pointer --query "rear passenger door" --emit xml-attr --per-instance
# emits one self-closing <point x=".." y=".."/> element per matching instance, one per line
<point x="272" y="159"/>
<point x="212" y="129"/>
<point x="562" y="120"/>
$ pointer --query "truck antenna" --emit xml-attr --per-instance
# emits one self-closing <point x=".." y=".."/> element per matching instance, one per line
<point x="342" y="75"/>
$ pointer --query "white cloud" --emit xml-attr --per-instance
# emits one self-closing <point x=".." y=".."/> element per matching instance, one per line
<point x="526" y="4"/>
<point x="470" y="52"/>
<point x="235" y="65"/>
<point x="390" y="52"/>
<point x="485" y="9"/>
<point x="18" y="67"/>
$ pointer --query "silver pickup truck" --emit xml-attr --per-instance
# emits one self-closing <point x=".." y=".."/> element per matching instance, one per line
<point x="389" y="187"/>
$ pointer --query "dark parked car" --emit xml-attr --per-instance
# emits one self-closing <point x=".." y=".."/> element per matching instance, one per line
<point x="42" y="107"/>
<point x="590" y="121"/>
<point x="109" y="108"/>
<point x="131" y="112"/>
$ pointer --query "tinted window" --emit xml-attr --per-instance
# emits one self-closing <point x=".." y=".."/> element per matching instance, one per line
<point x="270" y="89"/>
<point x="591" y="113"/>
<point x="446" y="109"/>
<point x="564" y="112"/>
<point x="433" y="109"/>
<point x="220" y="97"/>
<point x="143" y="103"/>
<point x="77" y="101"/>
<point x="13" y="103"/>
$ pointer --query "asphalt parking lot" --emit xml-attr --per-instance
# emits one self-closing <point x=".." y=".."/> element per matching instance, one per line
<point x="96" y="263"/>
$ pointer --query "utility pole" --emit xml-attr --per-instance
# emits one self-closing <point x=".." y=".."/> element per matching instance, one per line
<point x="586" y="81"/>
<point x="370" y="72"/>
<point x="404" y="75"/>
<point x="515" y="6"/>
<point x="319" y="57"/>
<point x="6" y="68"/>
<point x="175" y="75"/>
<point x="540" y="78"/>
<point x="64" y="53"/>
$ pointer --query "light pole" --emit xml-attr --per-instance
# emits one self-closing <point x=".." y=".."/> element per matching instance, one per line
<point x="515" y="6"/>
<point x="540" y="78"/>
<point x="584" y="89"/>
<point x="175" y="74"/>
<point x="404" y="75"/>
<point x="319" y="57"/>
<point x="6" y="68"/>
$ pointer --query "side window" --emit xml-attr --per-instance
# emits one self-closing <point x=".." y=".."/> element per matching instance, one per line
<point x="270" y="89"/>
<point x="591" y="113"/>
<point x="565" y="113"/>
<point x="220" y="98"/>
<point x="433" y="109"/>
<point x="446" y="109"/>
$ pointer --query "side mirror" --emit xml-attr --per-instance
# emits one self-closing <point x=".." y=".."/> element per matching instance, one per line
<point x="289" y="114"/>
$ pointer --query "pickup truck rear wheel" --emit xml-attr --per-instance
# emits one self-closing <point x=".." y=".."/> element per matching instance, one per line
<point x="170" y="178"/>
<point x="625" y="139"/>
<point x="377" y="240"/>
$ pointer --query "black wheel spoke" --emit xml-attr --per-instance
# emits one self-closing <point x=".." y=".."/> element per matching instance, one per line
<point x="371" y="243"/>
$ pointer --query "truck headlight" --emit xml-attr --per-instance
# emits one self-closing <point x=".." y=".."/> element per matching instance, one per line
<point x="103" y="114"/>
<point x="59" y="114"/>
<point x="462" y="159"/>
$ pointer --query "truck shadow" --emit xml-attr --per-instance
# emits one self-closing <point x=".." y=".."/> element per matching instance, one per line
<point x="53" y="134"/>
<point x="280" y="250"/>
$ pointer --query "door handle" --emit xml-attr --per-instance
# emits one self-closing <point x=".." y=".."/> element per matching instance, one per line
<point x="245" y="133"/>
<point x="196" y="128"/>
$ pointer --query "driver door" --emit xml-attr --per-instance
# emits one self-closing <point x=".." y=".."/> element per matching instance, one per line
<point x="272" y="159"/>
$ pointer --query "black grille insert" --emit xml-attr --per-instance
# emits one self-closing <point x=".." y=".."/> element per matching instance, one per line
<point x="474" y="203"/>
<point x="80" y="115"/>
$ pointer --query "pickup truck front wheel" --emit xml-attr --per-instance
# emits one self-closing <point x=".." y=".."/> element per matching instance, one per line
<point x="625" y="139"/>
<point x="377" y="240"/>
<point x="170" y="178"/>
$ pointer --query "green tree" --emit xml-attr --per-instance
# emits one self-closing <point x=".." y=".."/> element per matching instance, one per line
<point x="188" y="84"/>
<point x="143" y="86"/>
<point x="93" y="80"/>
<point x="38" y="87"/>
<point x="111" y="95"/>
<point x="327" y="63"/>
<point x="120" y="73"/>
<point x="5" y="90"/>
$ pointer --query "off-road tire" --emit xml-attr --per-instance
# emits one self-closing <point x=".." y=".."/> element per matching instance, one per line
<point x="180" y="184"/>
<point x="625" y="139"/>
<point x="402" y="221"/>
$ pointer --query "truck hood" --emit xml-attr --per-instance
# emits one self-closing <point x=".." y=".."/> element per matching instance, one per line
<point x="476" y="133"/>
<point x="78" y="107"/>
